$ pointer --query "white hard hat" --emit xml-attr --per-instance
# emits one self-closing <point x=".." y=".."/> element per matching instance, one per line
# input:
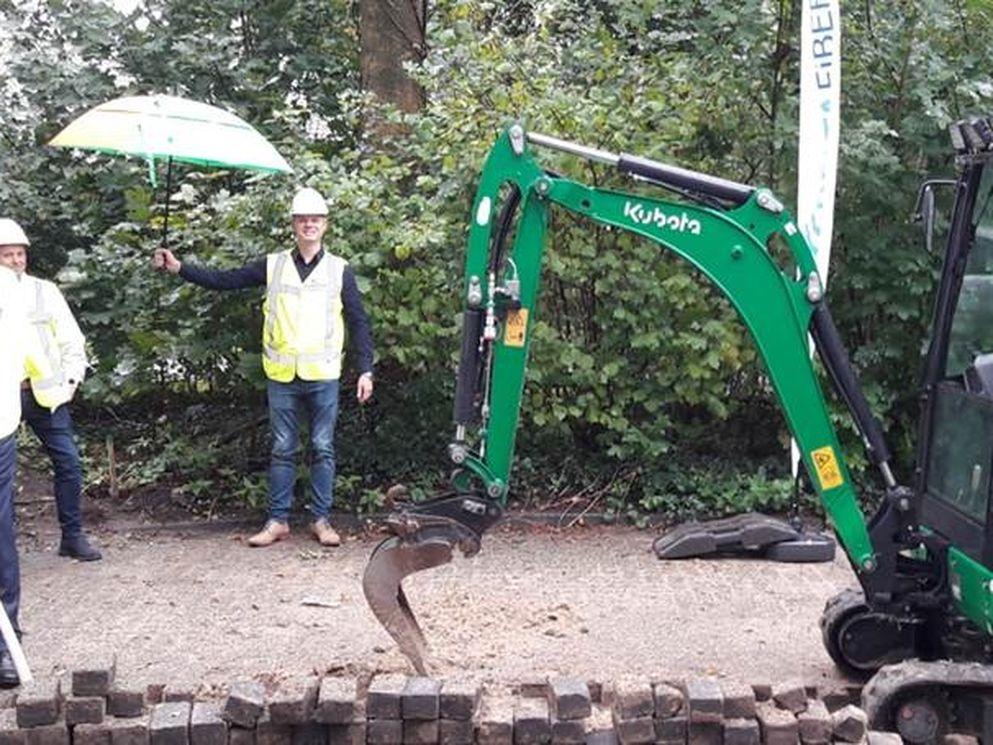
<point x="11" y="233"/>
<point x="309" y="201"/>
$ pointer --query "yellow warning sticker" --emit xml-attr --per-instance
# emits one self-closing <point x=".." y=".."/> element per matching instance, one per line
<point x="517" y="328"/>
<point x="827" y="467"/>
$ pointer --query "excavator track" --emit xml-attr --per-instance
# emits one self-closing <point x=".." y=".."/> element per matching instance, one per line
<point x="860" y="640"/>
<point x="924" y="701"/>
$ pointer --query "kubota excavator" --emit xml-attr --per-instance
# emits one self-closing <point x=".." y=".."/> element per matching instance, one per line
<point x="923" y="616"/>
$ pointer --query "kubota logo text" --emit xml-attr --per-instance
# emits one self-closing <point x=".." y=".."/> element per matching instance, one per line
<point x="637" y="212"/>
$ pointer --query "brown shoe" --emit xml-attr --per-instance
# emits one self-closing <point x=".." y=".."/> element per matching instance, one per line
<point x="324" y="533"/>
<point x="272" y="532"/>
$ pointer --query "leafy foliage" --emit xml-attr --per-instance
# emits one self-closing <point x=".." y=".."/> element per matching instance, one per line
<point x="639" y="367"/>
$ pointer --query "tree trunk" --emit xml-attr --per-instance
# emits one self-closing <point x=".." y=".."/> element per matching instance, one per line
<point x="392" y="33"/>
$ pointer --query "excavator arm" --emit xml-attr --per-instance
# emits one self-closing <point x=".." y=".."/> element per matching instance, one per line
<point x="741" y="238"/>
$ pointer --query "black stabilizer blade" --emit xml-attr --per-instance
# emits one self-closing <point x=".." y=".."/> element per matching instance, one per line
<point x="751" y="533"/>
<point x="425" y="536"/>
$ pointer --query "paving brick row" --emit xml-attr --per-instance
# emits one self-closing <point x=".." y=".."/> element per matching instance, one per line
<point x="336" y="701"/>
<point x="128" y="730"/>
<point x="705" y="733"/>
<point x="791" y="696"/>
<point x="206" y="725"/>
<point x="353" y="733"/>
<point x="85" y="709"/>
<point x="738" y="731"/>
<point x="90" y="734"/>
<point x="815" y="723"/>
<point x="420" y="731"/>
<point x="669" y="700"/>
<point x="244" y="704"/>
<point x="495" y="720"/>
<point x="268" y="732"/>
<point x="569" y="698"/>
<point x="421" y="699"/>
<point x="459" y="699"/>
<point x="126" y="702"/>
<point x="240" y="736"/>
<point x="531" y="722"/>
<point x="568" y="731"/>
<point x="309" y="734"/>
<point x="39" y="703"/>
<point x="632" y="700"/>
<point x="739" y="700"/>
<point x="849" y="724"/>
<point x="95" y="679"/>
<point x="48" y="734"/>
<point x="383" y="700"/>
<point x="10" y="733"/>
<point x="294" y="701"/>
<point x="779" y="726"/>
<point x="170" y="723"/>
<point x="671" y="730"/>
<point x="455" y="731"/>
<point x="635" y="731"/>
<point x="704" y="700"/>
<point x="384" y="731"/>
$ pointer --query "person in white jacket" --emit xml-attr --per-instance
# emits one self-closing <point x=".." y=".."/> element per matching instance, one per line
<point x="47" y="391"/>
<point x="15" y="334"/>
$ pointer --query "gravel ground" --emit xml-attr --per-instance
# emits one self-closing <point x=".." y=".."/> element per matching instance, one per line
<point x="202" y="610"/>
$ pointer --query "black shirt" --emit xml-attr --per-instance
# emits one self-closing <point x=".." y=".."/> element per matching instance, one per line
<point x="254" y="275"/>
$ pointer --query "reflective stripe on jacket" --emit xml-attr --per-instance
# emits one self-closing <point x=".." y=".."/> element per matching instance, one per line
<point x="303" y="330"/>
<point x="63" y="347"/>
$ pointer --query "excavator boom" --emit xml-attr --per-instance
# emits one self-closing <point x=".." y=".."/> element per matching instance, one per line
<point x="746" y="243"/>
<point x="723" y="228"/>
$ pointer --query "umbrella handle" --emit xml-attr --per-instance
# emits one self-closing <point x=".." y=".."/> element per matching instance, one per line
<point x="165" y="224"/>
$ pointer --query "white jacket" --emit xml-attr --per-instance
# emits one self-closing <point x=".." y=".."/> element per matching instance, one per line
<point x="65" y="344"/>
<point x="13" y="351"/>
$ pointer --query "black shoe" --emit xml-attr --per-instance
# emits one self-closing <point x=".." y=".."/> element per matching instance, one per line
<point x="8" y="673"/>
<point x="78" y="547"/>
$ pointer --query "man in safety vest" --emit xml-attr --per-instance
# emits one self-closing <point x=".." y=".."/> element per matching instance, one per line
<point x="13" y="361"/>
<point x="46" y="393"/>
<point x="310" y="296"/>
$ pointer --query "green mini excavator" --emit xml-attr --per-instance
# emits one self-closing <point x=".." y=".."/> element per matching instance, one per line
<point x="923" y="616"/>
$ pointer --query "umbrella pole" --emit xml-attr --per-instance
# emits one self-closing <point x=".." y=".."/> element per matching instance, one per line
<point x="165" y="223"/>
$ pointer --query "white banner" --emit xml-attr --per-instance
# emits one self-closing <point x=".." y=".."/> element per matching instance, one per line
<point x="820" y="102"/>
<point x="817" y="159"/>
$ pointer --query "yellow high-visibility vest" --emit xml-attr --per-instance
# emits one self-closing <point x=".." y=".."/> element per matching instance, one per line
<point x="59" y="339"/>
<point x="303" y="330"/>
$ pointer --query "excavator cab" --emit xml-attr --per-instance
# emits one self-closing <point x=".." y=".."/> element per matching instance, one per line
<point x="955" y="452"/>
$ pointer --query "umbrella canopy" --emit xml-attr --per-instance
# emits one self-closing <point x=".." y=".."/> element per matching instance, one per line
<point x="172" y="128"/>
<point x="169" y="127"/>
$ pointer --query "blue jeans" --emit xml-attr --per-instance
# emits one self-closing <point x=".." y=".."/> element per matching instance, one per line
<point x="10" y="569"/>
<point x="288" y="403"/>
<point x="54" y="429"/>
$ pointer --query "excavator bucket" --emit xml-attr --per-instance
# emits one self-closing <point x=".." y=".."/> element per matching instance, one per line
<point x="392" y="561"/>
<point x="424" y="536"/>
